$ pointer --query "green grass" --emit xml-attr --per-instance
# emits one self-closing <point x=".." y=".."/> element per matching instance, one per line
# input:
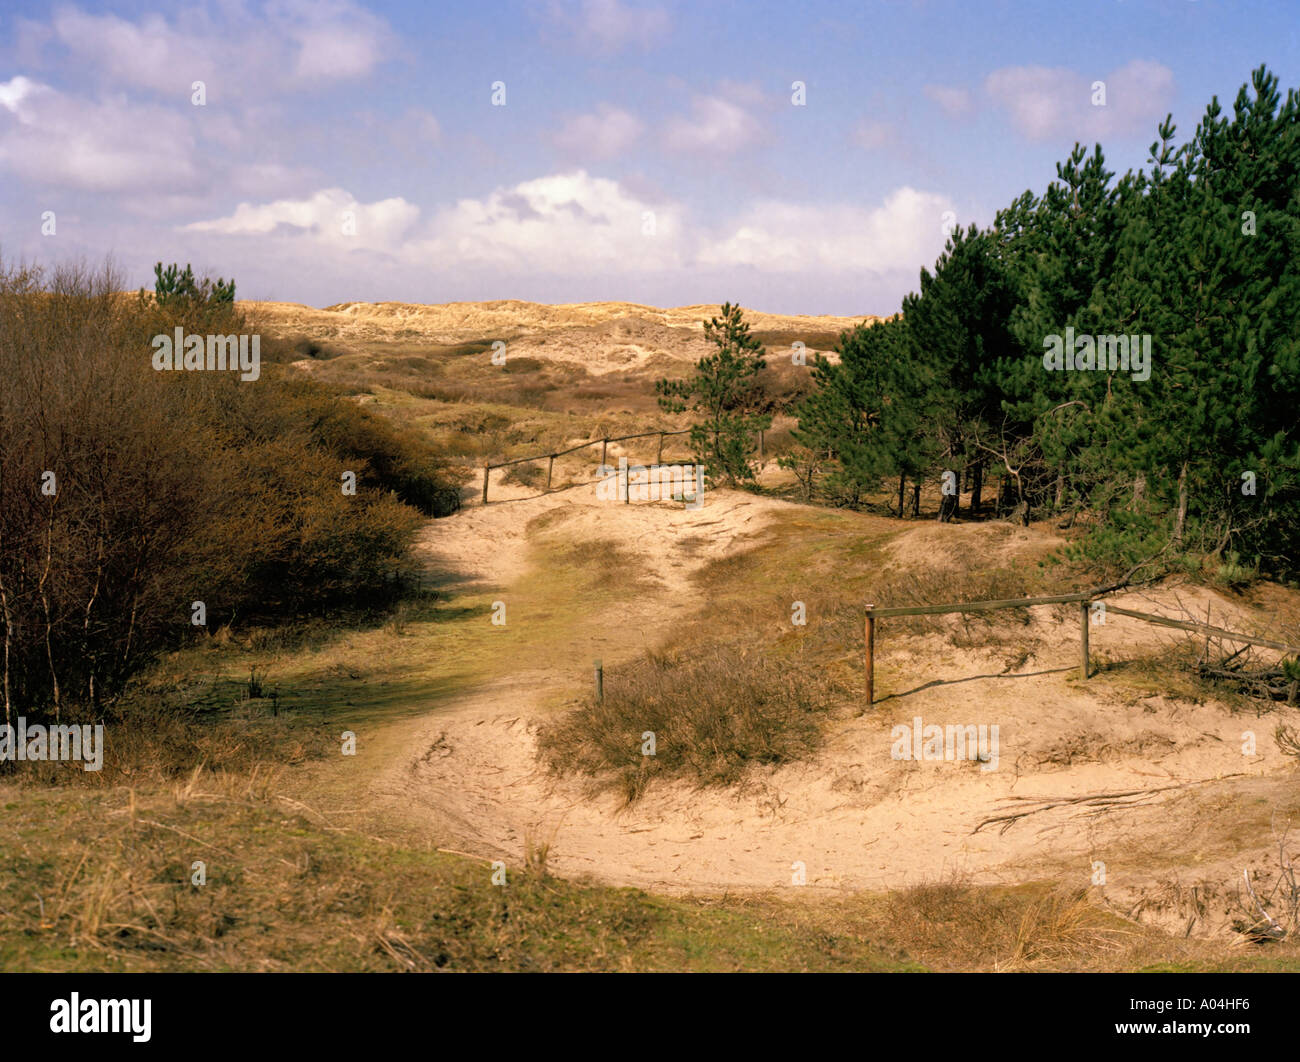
<point x="285" y="890"/>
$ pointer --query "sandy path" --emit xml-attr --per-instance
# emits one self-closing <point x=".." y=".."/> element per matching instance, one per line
<point x="855" y="818"/>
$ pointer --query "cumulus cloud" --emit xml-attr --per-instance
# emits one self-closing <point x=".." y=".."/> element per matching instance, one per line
<point x="1046" y="102"/>
<point x="575" y="225"/>
<point x="561" y="224"/>
<point x="331" y="217"/>
<point x="334" y="38"/>
<point x="569" y="222"/>
<point x="151" y="53"/>
<point x="599" y="136"/>
<point x="607" y="25"/>
<point x="235" y="52"/>
<point x="954" y="102"/>
<point x="715" y="126"/>
<point x="109" y="145"/>
<point x="905" y="231"/>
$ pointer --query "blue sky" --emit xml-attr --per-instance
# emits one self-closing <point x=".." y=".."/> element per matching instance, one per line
<point x="646" y="151"/>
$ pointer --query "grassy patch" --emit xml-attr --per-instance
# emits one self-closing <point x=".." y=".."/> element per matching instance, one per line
<point x="108" y="882"/>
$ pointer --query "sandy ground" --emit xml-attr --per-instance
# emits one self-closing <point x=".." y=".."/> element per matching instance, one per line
<point x="857" y="817"/>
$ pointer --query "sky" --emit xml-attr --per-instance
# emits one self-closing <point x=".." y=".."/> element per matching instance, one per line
<point x="796" y="157"/>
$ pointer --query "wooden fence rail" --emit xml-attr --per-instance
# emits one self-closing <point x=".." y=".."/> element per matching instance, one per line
<point x="1084" y="599"/>
<point x="1202" y="628"/>
<point x="604" y="440"/>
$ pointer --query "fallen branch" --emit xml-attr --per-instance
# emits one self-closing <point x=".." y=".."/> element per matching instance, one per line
<point x="1275" y="930"/>
<point x="1103" y="802"/>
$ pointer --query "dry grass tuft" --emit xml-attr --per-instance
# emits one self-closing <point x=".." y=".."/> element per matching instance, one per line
<point x="713" y="713"/>
<point x="962" y="927"/>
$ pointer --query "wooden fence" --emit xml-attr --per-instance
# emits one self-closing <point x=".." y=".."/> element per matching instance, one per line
<point x="604" y="448"/>
<point x="1084" y="600"/>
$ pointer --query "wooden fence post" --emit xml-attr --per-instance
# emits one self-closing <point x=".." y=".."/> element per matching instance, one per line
<point x="486" y="469"/>
<point x="1083" y="638"/>
<point x="604" y="445"/>
<point x="600" y="682"/>
<point x="869" y="654"/>
<point x="549" y="469"/>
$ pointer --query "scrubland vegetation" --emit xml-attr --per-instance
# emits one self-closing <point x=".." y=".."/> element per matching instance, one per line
<point x="128" y="495"/>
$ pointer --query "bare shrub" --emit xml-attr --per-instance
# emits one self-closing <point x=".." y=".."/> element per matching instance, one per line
<point x="127" y="494"/>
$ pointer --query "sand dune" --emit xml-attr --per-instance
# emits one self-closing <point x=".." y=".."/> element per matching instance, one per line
<point x="856" y="817"/>
<point x="454" y="322"/>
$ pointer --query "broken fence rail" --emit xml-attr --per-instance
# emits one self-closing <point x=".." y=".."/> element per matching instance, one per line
<point x="1083" y="598"/>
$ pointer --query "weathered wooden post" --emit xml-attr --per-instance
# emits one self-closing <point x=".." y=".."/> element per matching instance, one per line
<point x="604" y="445"/>
<point x="600" y="682"/>
<point x="549" y="469"/>
<point x="486" y="469"/>
<point x="869" y="653"/>
<point x="1083" y="638"/>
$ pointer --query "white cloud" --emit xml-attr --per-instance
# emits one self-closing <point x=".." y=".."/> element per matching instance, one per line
<point x="50" y="138"/>
<point x="608" y="25"/>
<point x="1045" y="102"/>
<point x="566" y="222"/>
<point x="602" y="135"/>
<point x="570" y="223"/>
<point x="576" y="227"/>
<point x="322" y="218"/>
<point x="234" y="52"/>
<point x="335" y="38"/>
<point x="899" y="235"/>
<point x="16" y="96"/>
<point x="715" y="126"/>
<point x="151" y="53"/>
<point x="954" y="102"/>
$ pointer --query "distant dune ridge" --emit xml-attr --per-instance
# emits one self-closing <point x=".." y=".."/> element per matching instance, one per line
<point x="603" y="336"/>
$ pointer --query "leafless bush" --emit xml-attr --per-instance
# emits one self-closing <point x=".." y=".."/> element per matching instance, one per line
<point x="1274" y="914"/>
<point x="127" y="494"/>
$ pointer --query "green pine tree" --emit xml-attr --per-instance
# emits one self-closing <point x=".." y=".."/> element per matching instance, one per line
<point x="724" y="390"/>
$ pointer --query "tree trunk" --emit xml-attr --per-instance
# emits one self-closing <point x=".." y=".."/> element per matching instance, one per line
<point x="8" y="622"/>
<point x="902" y="487"/>
<point x="916" y="500"/>
<point x="977" y="488"/>
<point x="1223" y="542"/>
<point x="1182" y="504"/>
